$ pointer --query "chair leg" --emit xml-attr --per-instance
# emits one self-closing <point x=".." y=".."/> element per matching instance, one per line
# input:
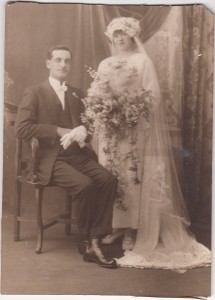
<point x="39" y="196"/>
<point x="69" y="210"/>
<point x="17" y="208"/>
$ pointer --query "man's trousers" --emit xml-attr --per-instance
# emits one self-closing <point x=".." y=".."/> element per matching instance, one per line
<point x="92" y="187"/>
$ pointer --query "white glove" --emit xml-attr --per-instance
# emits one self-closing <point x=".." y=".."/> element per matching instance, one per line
<point x="77" y="134"/>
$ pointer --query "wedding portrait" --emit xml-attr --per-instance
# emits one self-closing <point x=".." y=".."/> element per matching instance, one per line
<point x="107" y="150"/>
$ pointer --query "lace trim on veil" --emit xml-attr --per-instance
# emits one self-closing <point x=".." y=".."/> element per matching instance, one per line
<point x="197" y="256"/>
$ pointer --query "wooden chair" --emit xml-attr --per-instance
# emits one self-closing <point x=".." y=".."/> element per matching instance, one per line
<point x="20" y="165"/>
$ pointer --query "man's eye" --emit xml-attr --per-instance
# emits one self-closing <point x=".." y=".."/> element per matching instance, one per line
<point x="57" y="59"/>
<point x="68" y="61"/>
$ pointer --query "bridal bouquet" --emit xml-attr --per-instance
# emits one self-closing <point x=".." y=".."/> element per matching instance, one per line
<point x="114" y="113"/>
<point x="111" y="110"/>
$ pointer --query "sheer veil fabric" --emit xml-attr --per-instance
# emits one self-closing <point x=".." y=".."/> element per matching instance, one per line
<point x="163" y="236"/>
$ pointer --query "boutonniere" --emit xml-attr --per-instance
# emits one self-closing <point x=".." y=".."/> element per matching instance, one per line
<point x="74" y="94"/>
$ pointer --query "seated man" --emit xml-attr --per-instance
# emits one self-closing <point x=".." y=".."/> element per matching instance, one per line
<point x="51" y="112"/>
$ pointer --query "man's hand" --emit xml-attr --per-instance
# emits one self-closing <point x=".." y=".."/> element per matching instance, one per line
<point x="62" y="131"/>
<point x="77" y="134"/>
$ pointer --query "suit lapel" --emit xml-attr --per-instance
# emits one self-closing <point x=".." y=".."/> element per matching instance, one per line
<point x="53" y="104"/>
<point x="74" y="106"/>
<point x="51" y="101"/>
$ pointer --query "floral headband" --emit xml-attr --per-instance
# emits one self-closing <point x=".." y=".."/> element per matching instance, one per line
<point x="130" y="26"/>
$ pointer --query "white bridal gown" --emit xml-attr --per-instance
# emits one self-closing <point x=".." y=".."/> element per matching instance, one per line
<point x="155" y="206"/>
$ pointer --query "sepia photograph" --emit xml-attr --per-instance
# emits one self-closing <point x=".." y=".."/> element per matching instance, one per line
<point x="107" y="149"/>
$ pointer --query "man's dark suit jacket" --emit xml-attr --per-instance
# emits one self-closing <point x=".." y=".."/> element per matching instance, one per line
<point x="38" y="117"/>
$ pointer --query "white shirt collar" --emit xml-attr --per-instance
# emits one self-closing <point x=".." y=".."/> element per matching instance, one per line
<point x="56" y="83"/>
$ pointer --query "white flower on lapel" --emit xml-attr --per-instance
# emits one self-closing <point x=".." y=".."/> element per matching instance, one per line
<point x="74" y="94"/>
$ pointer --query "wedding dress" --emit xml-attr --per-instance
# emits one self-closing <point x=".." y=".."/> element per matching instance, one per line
<point x="155" y="204"/>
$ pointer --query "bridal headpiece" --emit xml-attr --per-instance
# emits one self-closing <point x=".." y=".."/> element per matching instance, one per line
<point x="130" y="26"/>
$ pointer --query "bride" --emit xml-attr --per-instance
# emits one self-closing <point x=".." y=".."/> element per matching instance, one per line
<point x="149" y="210"/>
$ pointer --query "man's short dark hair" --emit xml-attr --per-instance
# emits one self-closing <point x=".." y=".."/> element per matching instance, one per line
<point x="58" y="47"/>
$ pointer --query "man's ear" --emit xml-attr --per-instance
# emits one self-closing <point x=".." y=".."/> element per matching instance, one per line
<point x="48" y="64"/>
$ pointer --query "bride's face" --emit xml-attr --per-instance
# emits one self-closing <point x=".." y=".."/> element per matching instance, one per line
<point x="122" y="41"/>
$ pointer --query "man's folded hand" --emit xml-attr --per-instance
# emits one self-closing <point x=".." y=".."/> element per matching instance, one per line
<point x="62" y="131"/>
<point x="77" y="134"/>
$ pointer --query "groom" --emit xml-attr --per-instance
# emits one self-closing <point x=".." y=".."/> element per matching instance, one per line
<point x="51" y="112"/>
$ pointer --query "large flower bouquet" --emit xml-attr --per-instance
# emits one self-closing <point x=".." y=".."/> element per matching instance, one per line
<point x="114" y="113"/>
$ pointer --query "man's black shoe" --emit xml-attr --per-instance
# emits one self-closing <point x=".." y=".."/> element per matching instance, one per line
<point x="94" y="253"/>
<point x="101" y="261"/>
<point x="82" y="246"/>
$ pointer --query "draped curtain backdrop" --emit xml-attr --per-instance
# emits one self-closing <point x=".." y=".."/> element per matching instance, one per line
<point x="31" y="28"/>
<point x="198" y="49"/>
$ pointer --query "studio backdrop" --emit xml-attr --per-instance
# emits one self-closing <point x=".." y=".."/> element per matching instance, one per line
<point x="179" y="40"/>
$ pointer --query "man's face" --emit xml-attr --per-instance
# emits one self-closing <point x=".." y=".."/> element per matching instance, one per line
<point x="59" y="65"/>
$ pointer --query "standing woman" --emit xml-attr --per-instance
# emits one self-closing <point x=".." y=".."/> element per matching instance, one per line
<point x="132" y="140"/>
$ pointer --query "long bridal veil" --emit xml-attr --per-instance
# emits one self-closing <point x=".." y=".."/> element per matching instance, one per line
<point x="163" y="236"/>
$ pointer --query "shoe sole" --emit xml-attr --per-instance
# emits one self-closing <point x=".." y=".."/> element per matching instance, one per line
<point x="91" y="259"/>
